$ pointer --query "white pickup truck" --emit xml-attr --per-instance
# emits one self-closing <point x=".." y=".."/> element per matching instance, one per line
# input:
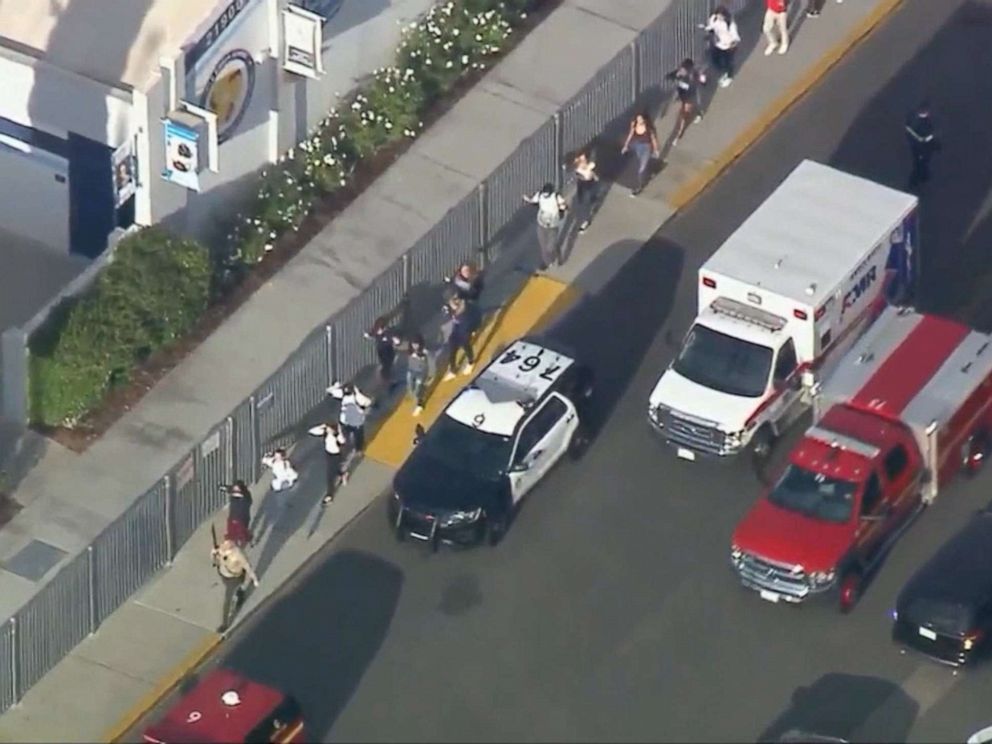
<point x="778" y="305"/>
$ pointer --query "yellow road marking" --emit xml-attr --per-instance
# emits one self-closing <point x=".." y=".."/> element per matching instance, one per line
<point x="150" y="699"/>
<point x="540" y="300"/>
<point x="709" y="173"/>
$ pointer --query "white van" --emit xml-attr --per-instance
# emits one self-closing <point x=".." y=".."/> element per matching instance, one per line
<point x="779" y="303"/>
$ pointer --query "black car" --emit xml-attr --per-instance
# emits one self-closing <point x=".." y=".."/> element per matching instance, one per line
<point x="945" y="610"/>
<point x="491" y="445"/>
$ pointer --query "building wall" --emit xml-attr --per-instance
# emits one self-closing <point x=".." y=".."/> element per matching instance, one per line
<point x="59" y="129"/>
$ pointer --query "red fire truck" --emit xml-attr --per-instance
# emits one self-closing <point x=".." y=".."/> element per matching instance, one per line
<point x="227" y="707"/>
<point x="908" y="408"/>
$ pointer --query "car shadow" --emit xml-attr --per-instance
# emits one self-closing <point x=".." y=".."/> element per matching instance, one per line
<point x="850" y="707"/>
<point x="318" y="646"/>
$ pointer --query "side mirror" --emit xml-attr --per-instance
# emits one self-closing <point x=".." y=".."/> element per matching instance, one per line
<point x="418" y="434"/>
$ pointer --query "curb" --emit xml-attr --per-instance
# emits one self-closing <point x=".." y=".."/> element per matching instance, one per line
<point x="162" y="688"/>
<point x="710" y="172"/>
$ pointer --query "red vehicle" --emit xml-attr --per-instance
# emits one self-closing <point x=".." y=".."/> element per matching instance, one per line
<point x="908" y="408"/>
<point x="227" y="707"/>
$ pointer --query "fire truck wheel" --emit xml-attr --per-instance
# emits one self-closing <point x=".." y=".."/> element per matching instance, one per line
<point x="850" y="590"/>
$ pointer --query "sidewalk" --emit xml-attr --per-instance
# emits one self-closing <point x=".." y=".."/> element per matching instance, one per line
<point x="103" y="687"/>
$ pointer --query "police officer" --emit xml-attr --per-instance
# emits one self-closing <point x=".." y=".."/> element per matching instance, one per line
<point x="234" y="569"/>
<point x="923" y="143"/>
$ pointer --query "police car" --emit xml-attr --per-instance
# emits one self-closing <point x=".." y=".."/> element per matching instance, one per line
<point x="491" y="445"/>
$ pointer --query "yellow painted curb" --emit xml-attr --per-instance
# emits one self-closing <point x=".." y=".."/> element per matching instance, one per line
<point x="539" y="301"/>
<point x="696" y="185"/>
<point x="150" y="699"/>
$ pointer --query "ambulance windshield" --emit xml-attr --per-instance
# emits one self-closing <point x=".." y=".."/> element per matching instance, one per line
<point x="724" y="363"/>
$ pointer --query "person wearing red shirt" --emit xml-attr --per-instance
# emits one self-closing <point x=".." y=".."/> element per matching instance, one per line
<point x="776" y="26"/>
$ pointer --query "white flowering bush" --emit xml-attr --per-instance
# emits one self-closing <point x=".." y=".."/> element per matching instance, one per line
<point x="453" y="39"/>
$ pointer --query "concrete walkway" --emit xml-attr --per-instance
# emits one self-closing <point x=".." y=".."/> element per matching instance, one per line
<point x="145" y="648"/>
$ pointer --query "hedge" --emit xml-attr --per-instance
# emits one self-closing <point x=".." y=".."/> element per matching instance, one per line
<point x="158" y="285"/>
<point x="152" y="293"/>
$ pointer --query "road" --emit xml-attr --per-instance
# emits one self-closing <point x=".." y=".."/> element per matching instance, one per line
<point x="610" y="613"/>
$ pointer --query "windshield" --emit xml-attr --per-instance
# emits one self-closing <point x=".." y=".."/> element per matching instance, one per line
<point x="814" y="495"/>
<point x="724" y="363"/>
<point x="463" y="448"/>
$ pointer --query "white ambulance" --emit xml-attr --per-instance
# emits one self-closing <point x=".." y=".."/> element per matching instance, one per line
<point x="779" y="303"/>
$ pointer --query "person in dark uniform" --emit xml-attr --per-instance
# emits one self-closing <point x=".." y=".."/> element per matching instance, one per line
<point x="923" y="143"/>
<point x="386" y="340"/>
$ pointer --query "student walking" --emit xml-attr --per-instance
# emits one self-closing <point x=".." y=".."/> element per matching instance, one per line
<point x="643" y="141"/>
<point x="463" y="324"/>
<point x="235" y="572"/>
<point x="551" y="208"/>
<point x="724" y="39"/>
<point x="816" y="7"/>
<point x="386" y="340"/>
<point x="419" y="369"/>
<point x="776" y="26"/>
<point x="284" y="475"/>
<point x="923" y="143"/>
<point x="355" y="406"/>
<point x="467" y="282"/>
<point x="687" y="79"/>
<point x="586" y="186"/>
<point x="334" y="440"/>
<point x="239" y="504"/>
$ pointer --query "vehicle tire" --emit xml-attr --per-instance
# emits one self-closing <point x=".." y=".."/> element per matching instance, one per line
<point x="762" y="443"/>
<point x="578" y="444"/>
<point x="495" y="530"/>
<point x="975" y="452"/>
<point x="850" y="590"/>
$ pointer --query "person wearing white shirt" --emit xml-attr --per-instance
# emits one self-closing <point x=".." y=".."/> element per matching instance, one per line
<point x="724" y="38"/>
<point x="334" y="440"/>
<point x="354" y="410"/>
<point x="284" y="475"/>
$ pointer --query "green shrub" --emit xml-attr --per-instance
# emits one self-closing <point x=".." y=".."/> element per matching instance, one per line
<point x="150" y="295"/>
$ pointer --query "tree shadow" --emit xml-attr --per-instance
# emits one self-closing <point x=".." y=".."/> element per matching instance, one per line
<point x="849" y="707"/>
<point x="954" y="222"/>
<point x="317" y="643"/>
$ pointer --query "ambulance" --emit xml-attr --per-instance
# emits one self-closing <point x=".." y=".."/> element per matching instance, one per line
<point x="779" y="303"/>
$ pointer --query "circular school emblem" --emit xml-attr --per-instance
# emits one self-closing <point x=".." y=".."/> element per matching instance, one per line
<point x="228" y="91"/>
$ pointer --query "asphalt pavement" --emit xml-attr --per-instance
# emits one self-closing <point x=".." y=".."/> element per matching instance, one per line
<point x="610" y="612"/>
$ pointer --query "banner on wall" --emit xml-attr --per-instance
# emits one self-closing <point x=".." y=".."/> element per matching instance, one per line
<point x="183" y="156"/>
<point x="302" y="33"/>
<point x="125" y="164"/>
<point x="221" y="67"/>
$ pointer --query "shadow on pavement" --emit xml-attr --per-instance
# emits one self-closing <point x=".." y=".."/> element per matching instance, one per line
<point x="849" y="707"/>
<point x="317" y="643"/>
<point x="611" y="329"/>
<point x="955" y="224"/>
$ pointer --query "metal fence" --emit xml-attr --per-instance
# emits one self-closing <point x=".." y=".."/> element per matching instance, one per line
<point x="147" y="536"/>
<point x="130" y="551"/>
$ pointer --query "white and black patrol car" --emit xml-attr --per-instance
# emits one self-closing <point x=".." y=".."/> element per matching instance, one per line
<point x="491" y="445"/>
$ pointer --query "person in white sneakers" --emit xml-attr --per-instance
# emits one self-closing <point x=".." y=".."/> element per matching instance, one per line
<point x="355" y="406"/>
<point x="334" y="440"/>
<point x="551" y="208"/>
<point x="464" y="323"/>
<point x="816" y="7"/>
<point x="724" y="38"/>
<point x="776" y="26"/>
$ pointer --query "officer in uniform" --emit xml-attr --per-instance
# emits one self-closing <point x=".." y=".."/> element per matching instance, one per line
<point x="923" y="143"/>
<point x="234" y="569"/>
